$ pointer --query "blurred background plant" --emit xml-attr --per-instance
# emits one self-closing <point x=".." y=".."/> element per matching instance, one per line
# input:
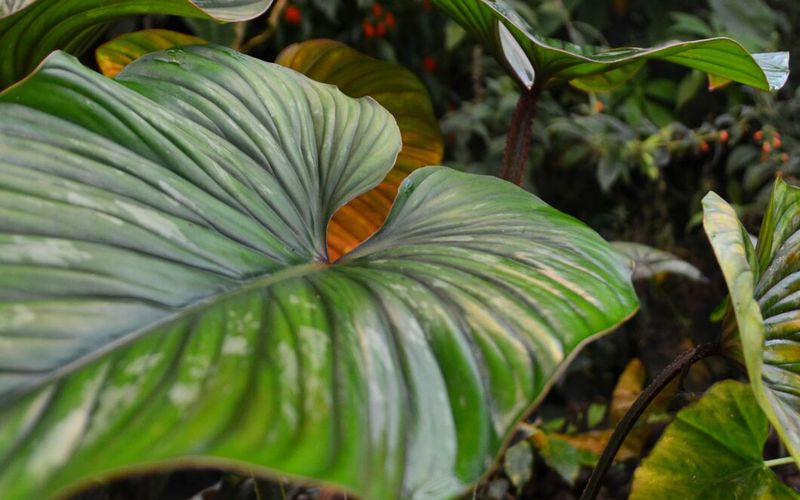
<point x="633" y="163"/>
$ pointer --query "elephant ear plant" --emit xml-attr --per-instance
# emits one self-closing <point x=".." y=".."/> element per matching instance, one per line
<point x="168" y="299"/>
<point x="538" y="63"/>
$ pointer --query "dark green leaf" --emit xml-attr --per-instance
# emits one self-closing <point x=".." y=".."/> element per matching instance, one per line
<point x="597" y="69"/>
<point x="30" y="30"/>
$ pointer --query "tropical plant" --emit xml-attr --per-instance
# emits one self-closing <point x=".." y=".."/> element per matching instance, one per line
<point x="207" y="260"/>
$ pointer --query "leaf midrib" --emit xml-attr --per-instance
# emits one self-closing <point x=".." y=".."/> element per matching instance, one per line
<point x="178" y="314"/>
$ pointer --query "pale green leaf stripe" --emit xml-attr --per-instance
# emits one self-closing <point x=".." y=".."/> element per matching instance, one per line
<point x="763" y="286"/>
<point x="164" y="296"/>
<point x="29" y="31"/>
<point x="712" y="450"/>
<point x="601" y="69"/>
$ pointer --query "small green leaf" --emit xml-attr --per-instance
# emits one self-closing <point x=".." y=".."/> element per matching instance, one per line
<point x="32" y="29"/>
<point x="649" y="261"/>
<point x="166" y="297"/>
<point x="763" y="285"/>
<point x="713" y="449"/>
<point x="518" y="464"/>
<point x="563" y="455"/>
<point x="596" y="69"/>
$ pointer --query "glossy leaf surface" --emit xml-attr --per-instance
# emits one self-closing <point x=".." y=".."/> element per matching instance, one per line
<point x="763" y="285"/>
<point x="113" y="56"/>
<point x="30" y="30"/>
<point x="399" y="91"/>
<point x="712" y="450"/>
<point x="167" y="298"/>
<point x="597" y="69"/>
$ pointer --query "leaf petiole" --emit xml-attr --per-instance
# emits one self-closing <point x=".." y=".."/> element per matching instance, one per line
<point x="775" y="462"/>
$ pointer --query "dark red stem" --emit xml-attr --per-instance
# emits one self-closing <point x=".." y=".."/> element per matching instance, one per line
<point x="681" y="363"/>
<point x="515" y="158"/>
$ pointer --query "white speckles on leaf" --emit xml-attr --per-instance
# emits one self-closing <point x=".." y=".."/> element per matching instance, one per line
<point x="143" y="364"/>
<point x="183" y="394"/>
<point x="289" y="376"/>
<point x="59" y="442"/>
<point x="15" y="316"/>
<point x="155" y="222"/>
<point x="82" y="201"/>
<point x="236" y="346"/>
<point x="46" y="251"/>
<point x="178" y="198"/>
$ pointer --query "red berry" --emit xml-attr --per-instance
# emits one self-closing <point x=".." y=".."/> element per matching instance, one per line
<point x="389" y="20"/>
<point x="377" y="10"/>
<point x="292" y="14"/>
<point x="380" y="29"/>
<point x="429" y="64"/>
<point x="369" y="29"/>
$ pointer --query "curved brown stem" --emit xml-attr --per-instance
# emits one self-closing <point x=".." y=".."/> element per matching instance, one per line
<point x="636" y="410"/>
<point x="515" y="158"/>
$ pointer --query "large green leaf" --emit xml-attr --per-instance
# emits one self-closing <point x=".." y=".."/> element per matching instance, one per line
<point x="30" y="30"/>
<point x="712" y="450"/>
<point x="166" y="297"/>
<point x="764" y="285"/>
<point x="504" y="32"/>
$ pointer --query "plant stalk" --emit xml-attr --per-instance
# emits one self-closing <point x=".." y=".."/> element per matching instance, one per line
<point x="775" y="462"/>
<point x="515" y="158"/>
<point x="636" y="410"/>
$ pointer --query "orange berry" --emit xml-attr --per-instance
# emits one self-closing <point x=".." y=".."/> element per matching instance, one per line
<point x="758" y="135"/>
<point x="293" y="14"/>
<point x="766" y="147"/>
<point x="785" y="157"/>
<point x="776" y="141"/>
<point x="724" y="136"/>
<point x="599" y="106"/>
<point x="704" y="147"/>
